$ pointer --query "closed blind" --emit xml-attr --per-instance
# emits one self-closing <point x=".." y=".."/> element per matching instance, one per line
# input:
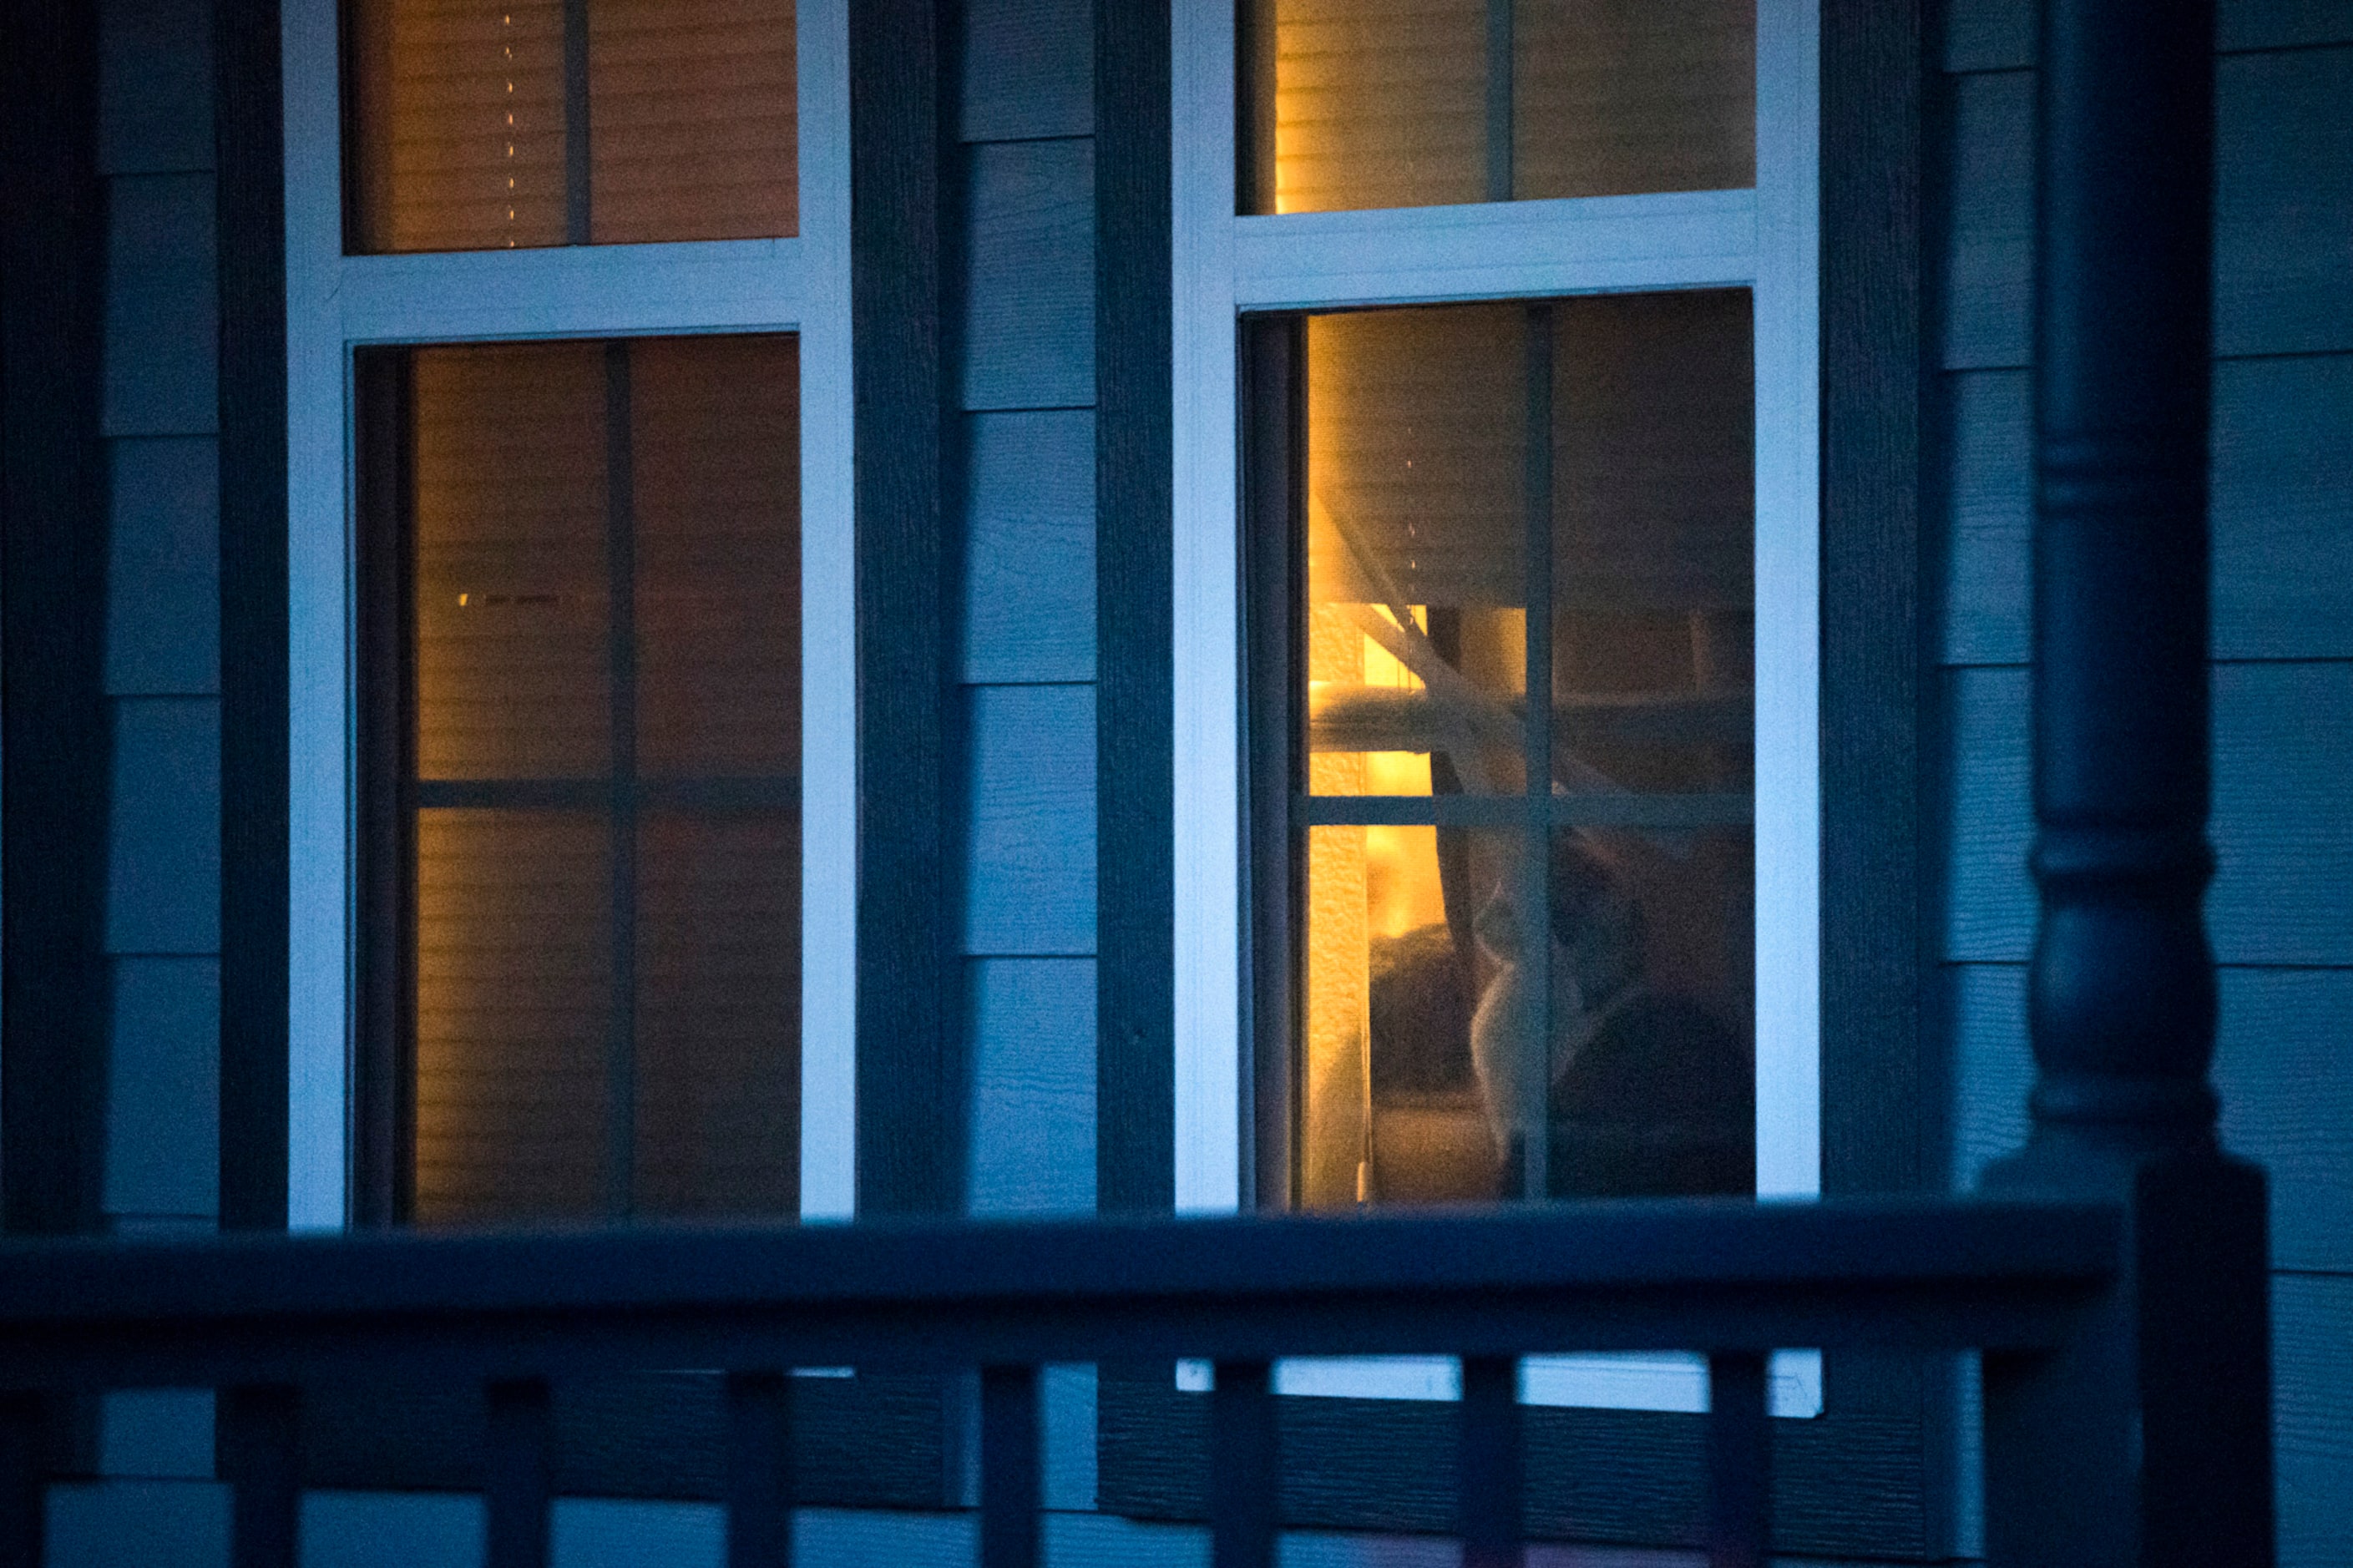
<point x="486" y="125"/>
<point x="1403" y="103"/>
<point x="604" y="674"/>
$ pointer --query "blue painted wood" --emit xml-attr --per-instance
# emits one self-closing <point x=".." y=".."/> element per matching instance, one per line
<point x="2312" y="1340"/>
<point x="163" y="858"/>
<point x="1028" y="70"/>
<point x="1029" y="568"/>
<point x="162" y="1147"/>
<point x="2277" y="24"/>
<point x="2282" y="826"/>
<point x="1030" y="1023"/>
<point x="162" y="587"/>
<point x="157" y="1432"/>
<point x="2284" y="202"/>
<point x="1030" y="875"/>
<point x="1990" y="234"/>
<point x="154" y="86"/>
<point x="2280" y="1067"/>
<point x="2282" y="512"/>
<point x="162" y="317"/>
<point x="1029" y="288"/>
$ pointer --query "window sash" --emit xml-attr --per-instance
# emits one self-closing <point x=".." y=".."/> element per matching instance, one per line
<point x="338" y="303"/>
<point x="1227" y="267"/>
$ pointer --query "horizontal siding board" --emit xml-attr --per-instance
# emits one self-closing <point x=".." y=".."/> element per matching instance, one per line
<point x="2280" y="1064"/>
<point x="2283" y="24"/>
<point x="164" y="854"/>
<point x="1029" y="578"/>
<point x="1030" y="880"/>
<point x="1031" y="1022"/>
<point x="1991" y="237"/>
<point x="1999" y="35"/>
<point x="1030" y="338"/>
<point x="2282" y="511"/>
<point x="163" y="590"/>
<point x="163" y="1144"/>
<point x="2284" y="210"/>
<point x="2284" y="1069"/>
<point x="2284" y="202"/>
<point x="2312" y="1379"/>
<point x="162" y="317"/>
<point x="1028" y="71"/>
<point x="2282" y="826"/>
<point x="155" y="87"/>
<point x="1982" y="618"/>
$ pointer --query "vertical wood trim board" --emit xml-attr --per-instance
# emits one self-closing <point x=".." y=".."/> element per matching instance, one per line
<point x="1135" y="710"/>
<point x="251" y="183"/>
<point x="53" y="558"/>
<point x="909" y="1088"/>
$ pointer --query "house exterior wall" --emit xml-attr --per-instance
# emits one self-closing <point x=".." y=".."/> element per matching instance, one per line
<point x="1021" y="312"/>
<point x="2281" y="910"/>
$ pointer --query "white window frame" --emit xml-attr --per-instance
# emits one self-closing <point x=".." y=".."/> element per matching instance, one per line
<point x="337" y="303"/>
<point x="1765" y="239"/>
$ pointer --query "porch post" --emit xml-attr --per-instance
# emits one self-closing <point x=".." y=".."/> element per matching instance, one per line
<point x="2148" y="1442"/>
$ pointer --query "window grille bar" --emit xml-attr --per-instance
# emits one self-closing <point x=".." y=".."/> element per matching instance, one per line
<point x="1010" y="1480"/>
<point x="1499" y="101"/>
<point x="759" y="1470"/>
<point x="621" y="633"/>
<point x="519" y="1457"/>
<point x="261" y="1459"/>
<point x="1600" y="809"/>
<point x="1242" y="1458"/>
<point x="576" y="122"/>
<point x="1739" y="1460"/>
<point x="1489" y="1464"/>
<point x="24" y="1490"/>
<point x="1535" y="915"/>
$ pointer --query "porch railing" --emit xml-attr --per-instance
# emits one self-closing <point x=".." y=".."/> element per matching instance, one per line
<point x="263" y="1318"/>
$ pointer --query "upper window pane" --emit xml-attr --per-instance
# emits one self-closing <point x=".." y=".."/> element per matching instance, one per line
<point x="490" y="124"/>
<point x="1403" y="103"/>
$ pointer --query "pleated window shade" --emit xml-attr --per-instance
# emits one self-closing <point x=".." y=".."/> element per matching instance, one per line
<point x="1403" y="103"/>
<point x="600" y="800"/>
<point x="489" y="124"/>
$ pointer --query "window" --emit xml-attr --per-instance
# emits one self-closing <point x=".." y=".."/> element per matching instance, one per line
<point x="570" y="609"/>
<point x="1557" y="255"/>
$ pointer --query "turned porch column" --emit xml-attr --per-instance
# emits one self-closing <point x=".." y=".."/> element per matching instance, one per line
<point x="2149" y="1443"/>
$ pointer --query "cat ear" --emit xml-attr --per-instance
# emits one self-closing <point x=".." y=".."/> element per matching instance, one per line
<point x="1497" y="927"/>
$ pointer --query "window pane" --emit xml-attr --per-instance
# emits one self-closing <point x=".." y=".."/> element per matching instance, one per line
<point x="717" y="483"/>
<point x="1653" y="541"/>
<point x="1476" y="1019"/>
<point x="514" y="657"/>
<point x="692" y="119"/>
<point x="1417" y="517"/>
<point x="513" y="1009"/>
<point x="590" y="732"/>
<point x="479" y="124"/>
<point x="1400" y="103"/>
<point x="718" y="1013"/>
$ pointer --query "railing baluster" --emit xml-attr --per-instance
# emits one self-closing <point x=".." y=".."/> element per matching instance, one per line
<point x="1009" y="1486"/>
<point x="261" y="1458"/>
<point x="1488" y="1462"/>
<point x="1739" y="1460"/>
<point x="24" y="1481"/>
<point x="1243" y="1460"/>
<point x="519" y="1461"/>
<point x="759" y="1470"/>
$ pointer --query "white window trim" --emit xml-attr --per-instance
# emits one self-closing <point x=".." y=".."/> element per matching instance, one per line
<point x="1766" y="239"/>
<point x="336" y="303"/>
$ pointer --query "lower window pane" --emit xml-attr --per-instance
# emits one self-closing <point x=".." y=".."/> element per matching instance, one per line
<point x="718" y="1013"/>
<point x="514" y="1006"/>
